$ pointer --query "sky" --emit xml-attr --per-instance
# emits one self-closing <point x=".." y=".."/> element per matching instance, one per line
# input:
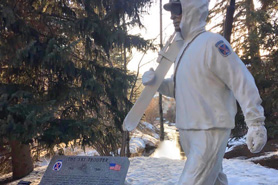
<point x="151" y="31"/>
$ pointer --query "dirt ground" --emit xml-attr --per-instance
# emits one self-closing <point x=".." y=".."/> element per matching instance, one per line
<point x="243" y="152"/>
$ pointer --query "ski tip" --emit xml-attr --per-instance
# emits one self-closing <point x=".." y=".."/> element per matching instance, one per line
<point x="129" y="126"/>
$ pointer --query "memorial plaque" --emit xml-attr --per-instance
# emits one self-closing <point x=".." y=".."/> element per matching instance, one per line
<point x="86" y="170"/>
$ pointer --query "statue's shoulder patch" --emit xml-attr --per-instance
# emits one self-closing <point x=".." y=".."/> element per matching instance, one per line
<point x="223" y="48"/>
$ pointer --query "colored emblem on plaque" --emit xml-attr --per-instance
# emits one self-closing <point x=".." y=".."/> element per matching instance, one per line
<point x="114" y="166"/>
<point x="223" y="48"/>
<point x="58" y="165"/>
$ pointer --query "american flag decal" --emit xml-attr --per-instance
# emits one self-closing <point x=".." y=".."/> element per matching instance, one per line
<point x="114" y="166"/>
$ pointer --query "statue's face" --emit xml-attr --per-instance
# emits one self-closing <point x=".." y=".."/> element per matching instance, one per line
<point x="176" y="21"/>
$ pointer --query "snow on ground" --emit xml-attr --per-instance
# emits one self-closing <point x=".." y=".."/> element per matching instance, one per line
<point x="169" y="148"/>
<point x="163" y="171"/>
<point x="77" y="151"/>
<point x="136" y="145"/>
<point x="267" y="155"/>
<point x="144" y="135"/>
<point x="242" y="172"/>
<point x="233" y="142"/>
<point x="148" y="125"/>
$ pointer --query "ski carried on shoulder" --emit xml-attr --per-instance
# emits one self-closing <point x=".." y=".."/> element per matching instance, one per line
<point x="167" y="57"/>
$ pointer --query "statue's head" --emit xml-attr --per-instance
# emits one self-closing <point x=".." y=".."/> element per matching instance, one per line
<point x="174" y="6"/>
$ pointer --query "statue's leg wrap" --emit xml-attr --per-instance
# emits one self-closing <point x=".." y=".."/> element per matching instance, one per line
<point x="204" y="150"/>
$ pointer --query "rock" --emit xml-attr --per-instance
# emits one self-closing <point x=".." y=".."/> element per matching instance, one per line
<point x="266" y="157"/>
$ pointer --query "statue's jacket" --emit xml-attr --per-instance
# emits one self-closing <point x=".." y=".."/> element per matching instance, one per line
<point x="210" y="77"/>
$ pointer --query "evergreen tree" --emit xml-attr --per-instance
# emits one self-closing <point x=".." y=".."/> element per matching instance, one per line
<point x="58" y="81"/>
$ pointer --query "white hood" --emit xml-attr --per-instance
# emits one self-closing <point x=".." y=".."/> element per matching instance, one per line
<point x="194" y="15"/>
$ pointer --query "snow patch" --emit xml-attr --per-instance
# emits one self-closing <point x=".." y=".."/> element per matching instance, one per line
<point x="148" y="125"/>
<point x="136" y="145"/>
<point x="144" y="135"/>
<point x="267" y="155"/>
<point x="233" y="142"/>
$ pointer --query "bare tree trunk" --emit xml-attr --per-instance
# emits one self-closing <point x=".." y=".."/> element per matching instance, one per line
<point x="22" y="162"/>
<point x="123" y="147"/>
<point x="161" y="118"/>
<point x="125" y="139"/>
<point x="160" y="95"/>
<point x="127" y="133"/>
<point x="127" y="145"/>
<point x="252" y="30"/>
<point x="229" y="20"/>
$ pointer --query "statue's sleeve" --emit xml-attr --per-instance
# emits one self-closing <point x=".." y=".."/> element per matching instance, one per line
<point x="167" y="87"/>
<point x="228" y="67"/>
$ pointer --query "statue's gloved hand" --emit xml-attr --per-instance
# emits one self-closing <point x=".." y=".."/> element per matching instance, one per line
<point x="148" y="77"/>
<point x="256" y="137"/>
